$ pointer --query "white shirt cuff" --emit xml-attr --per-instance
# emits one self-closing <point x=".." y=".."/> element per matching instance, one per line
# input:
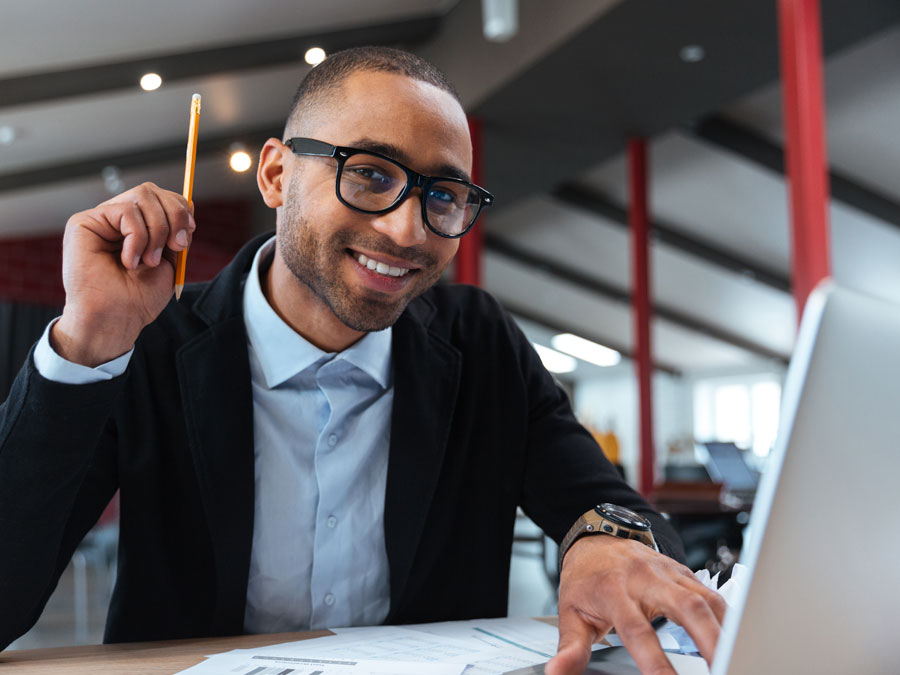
<point x="54" y="367"/>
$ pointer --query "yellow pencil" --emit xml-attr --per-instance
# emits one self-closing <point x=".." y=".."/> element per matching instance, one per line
<point x="181" y="263"/>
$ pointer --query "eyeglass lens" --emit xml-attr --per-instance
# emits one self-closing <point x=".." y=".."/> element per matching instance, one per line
<point x="371" y="183"/>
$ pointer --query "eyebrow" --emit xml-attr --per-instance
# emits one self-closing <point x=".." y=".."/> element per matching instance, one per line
<point x="392" y="151"/>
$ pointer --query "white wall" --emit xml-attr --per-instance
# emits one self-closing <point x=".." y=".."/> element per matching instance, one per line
<point x="612" y="402"/>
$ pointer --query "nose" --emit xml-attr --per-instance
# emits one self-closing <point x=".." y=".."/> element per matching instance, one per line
<point x="404" y="224"/>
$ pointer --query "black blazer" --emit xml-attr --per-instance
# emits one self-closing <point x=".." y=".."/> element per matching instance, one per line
<point x="478" y="427"/>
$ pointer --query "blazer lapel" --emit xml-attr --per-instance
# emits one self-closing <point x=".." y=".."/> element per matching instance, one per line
<point x="214" y="377"/>
<point x="426" y="380"/>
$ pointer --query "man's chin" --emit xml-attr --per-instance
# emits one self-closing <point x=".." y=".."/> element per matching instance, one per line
<point x="370" y="315"/>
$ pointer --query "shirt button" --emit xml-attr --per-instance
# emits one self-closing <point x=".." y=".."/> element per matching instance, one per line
<point x="332" y="440"/>
<point x="331" y="522"/>
<point x="329" y="599"/>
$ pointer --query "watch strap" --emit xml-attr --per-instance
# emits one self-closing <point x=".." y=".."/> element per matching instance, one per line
<point x="590" y="523"/>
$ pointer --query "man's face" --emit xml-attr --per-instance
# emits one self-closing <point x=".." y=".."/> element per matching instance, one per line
<point x="323" y="242"/>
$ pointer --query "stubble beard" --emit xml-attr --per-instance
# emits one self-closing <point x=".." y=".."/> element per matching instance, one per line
<point x="317" y="264"/>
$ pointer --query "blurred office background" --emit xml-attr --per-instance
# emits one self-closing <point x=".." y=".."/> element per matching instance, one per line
<point x="556" y="89"/>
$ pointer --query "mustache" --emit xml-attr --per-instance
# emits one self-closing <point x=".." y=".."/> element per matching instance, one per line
<point x="381" y="244"/>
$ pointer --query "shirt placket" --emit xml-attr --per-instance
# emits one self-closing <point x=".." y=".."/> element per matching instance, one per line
<point x="328" y="608"/>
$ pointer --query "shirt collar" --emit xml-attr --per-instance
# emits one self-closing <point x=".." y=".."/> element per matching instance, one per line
<point x="282" y="352"/>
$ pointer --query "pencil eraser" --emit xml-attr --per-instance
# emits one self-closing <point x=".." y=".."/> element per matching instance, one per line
<point x="195" y="97"/>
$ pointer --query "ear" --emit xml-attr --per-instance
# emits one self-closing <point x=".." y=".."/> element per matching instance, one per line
<point x="270" y="172"/>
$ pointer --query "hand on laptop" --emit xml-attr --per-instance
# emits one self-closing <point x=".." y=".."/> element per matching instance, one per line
<point x="617" y="583"/>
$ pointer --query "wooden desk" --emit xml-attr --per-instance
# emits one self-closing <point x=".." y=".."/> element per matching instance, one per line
<point x="136" y="658"/>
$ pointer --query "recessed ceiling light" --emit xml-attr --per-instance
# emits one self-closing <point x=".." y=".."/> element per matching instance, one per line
<point x="314" y="56"/>
<point x="500" y="19"/>
<point x="151" y="82"/>
<point x="240" y="161"/>
<point x="692" y="53"/>
<point x="586" y="350"/>
<point x="554" y="361"/>
<point x="112" y="179"/>
<point x="8" y="134"/>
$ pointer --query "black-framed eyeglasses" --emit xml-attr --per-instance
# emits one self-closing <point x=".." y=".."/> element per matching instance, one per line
<point x="370" y="182"/>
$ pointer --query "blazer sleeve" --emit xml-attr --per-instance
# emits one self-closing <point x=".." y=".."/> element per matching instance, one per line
<point x="57" y="474"/>
<point x="566" y="472"/>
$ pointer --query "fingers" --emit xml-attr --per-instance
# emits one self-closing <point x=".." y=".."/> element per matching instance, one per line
<point x="180" y="216"/>
<point x="627" y="584"/>
<point x="133" y="228"/>
<point x="700" y="611"/>
<point x="146" y="220"/>
<point x="576" y="636"/>
<point x="641" y="641"/>
<point x="692" y="613"/>
<point x="157" y="223"/>
<point x="715" y="601"/>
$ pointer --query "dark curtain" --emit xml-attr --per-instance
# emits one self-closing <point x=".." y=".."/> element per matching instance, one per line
<point x="20" y="327"/>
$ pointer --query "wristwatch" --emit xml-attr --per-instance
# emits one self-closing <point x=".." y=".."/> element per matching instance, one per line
<point x="612" y="520"/>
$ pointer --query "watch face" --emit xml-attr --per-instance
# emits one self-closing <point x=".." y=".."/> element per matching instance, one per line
<point x="622" y="516"/>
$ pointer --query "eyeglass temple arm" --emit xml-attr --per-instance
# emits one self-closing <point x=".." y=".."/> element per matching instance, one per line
<point x="310" y="146"/>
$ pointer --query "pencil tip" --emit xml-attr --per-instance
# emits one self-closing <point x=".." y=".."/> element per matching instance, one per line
<point x="195" y="97"/>
<point x="178" y="289"/>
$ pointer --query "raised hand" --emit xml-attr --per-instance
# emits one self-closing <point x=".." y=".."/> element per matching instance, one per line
<point x="118" y="271"/>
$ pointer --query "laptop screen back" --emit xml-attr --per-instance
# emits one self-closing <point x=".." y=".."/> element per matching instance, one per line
<point x="726" y="464"/>
<point x="824" y="539"/>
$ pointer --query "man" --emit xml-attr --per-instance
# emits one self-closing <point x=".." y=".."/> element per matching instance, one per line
<point x="319" y="436"/>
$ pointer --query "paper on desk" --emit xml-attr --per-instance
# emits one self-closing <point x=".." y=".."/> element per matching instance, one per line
<point x="495" y="646"/>
<point x="393" y="643"/>
<point x="529" y="635"/>
<point x="514" y="642"/>
<point x="260" y="662"/>
<point x="482" y="647"/>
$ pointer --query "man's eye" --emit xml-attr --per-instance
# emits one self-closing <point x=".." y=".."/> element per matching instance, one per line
<point x="441" y="195"/>
<point x="370" y="178"/>
<point x="370" y="174"/>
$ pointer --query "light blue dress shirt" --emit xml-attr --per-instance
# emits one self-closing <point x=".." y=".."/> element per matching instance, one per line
<point x="321" y="437"/>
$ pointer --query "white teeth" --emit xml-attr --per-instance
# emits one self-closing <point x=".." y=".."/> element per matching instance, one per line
<point x="382" y="268"/>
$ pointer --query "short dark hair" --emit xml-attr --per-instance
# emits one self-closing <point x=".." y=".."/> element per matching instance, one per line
<point x="336" y="68"/>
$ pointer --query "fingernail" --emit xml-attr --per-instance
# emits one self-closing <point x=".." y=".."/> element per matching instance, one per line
<point x="135" y="262"/>
<point x="157" y="256"/>
<point x="181" y="238"/>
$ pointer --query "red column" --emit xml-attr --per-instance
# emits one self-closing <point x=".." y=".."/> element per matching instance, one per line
<point x="800" y="37"/>
<point x="639" y="223"/>
<point x="468" y="258"/>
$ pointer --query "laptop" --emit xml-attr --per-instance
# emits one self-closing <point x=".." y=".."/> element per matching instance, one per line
<point x="727" y="464"/>
<point x="824" y="537"/>
<point x="823" y="544"/>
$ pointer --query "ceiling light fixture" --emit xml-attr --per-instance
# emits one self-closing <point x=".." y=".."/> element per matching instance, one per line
<point x="586" y="350"/>
<point x="8" y="134"/>
<point x="151" y="82"/>
<point x="314" y="56"/>
<point x="501" y="19"/>
<point x="240" y="161"/>
<point x="554" y="361"/>
<point x="112" y="179"/>
<point x="692" y="53"/>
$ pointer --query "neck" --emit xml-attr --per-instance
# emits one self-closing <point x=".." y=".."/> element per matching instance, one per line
<point x="304" y="311"/>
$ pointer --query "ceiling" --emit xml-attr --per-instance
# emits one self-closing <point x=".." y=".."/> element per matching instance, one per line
<point x="558" y="103"/>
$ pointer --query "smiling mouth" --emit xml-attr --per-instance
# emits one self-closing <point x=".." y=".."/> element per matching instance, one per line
<point x="379" y="267"/>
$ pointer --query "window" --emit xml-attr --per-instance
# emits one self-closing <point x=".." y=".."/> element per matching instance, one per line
<point x="743" y="410"/>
